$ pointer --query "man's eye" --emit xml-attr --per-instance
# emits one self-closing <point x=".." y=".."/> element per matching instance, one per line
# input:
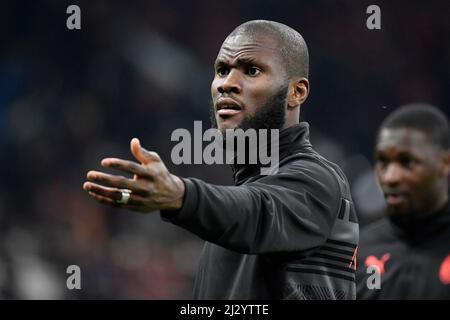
<point x="221" y="71"/>
<point x="253" y="71"/>
<point x="381" y="162"/>
<point x="408" y="163"/>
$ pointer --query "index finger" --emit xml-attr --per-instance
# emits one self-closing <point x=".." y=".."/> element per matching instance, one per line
<point x="125" y="165"/>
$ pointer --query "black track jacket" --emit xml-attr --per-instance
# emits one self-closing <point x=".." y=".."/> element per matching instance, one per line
<point x="413" y="259"/>
<point x="291" y="235"/>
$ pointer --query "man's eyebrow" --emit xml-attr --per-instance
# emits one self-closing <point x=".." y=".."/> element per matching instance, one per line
<point x="407" y="154"/>
<point x="241" y="61"/>
<point x="398" y="154"/>
<point x="247" y="60"/>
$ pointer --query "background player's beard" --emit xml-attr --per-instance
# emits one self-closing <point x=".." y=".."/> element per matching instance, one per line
<point x="270" y="116"/>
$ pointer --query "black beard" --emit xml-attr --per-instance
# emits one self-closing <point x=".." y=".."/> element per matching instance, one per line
<point x="270" y="116"/>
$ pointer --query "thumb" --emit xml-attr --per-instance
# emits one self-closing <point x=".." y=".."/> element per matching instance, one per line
<point x="139" y="152"/>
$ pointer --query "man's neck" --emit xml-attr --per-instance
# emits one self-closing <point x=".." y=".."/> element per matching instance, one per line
<point x="439" y="203"/>
<point x="289" y="123"/>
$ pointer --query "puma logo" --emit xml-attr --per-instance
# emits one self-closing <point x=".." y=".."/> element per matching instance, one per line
<point x="444" y="271"/>
<point x="372" y="260"/>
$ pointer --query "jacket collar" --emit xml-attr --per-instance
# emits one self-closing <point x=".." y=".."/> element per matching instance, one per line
<point x="422" y="228"/>
<point x="291" y="140"/>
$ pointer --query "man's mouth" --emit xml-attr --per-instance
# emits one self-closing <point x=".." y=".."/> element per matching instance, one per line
<point x="395" y="198"/>
<point x="227" y="107"/>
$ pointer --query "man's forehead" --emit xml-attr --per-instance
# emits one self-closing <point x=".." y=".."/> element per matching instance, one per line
<point x="248" y="44"/>
<point x="405" y="139"/>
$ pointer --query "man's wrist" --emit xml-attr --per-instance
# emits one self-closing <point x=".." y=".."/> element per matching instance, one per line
<point x="180" y="191"/>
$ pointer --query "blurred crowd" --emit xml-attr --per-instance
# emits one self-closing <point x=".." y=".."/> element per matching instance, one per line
<point x="143" y="69"/>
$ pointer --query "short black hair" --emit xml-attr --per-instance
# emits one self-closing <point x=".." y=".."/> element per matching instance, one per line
<point x="424" y="117"/>
<point x="293" y="48"/>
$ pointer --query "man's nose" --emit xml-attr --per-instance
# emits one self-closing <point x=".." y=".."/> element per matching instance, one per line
<point x="393" y="174"/>
<point x="230" y="83"/>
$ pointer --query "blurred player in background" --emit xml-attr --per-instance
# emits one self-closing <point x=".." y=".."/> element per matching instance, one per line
<point x="410" y="247"/>
<point x="290" y="235"/>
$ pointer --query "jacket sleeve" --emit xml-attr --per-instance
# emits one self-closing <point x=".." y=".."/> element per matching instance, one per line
<point x="289" y="212"/>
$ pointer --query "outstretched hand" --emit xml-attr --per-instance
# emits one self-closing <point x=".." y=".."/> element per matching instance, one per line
<point x="152" y="187"/>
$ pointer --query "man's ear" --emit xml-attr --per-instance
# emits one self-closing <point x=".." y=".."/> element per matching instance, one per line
<point x="298" y="92"/>
<point x="446" y="163"/>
